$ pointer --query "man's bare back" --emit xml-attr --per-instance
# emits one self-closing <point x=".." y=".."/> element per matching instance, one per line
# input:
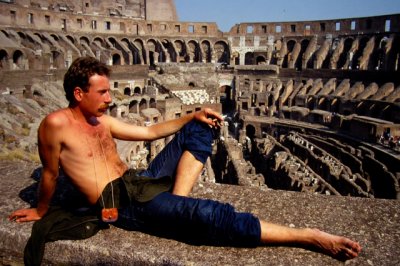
<point x="81" y="155"/>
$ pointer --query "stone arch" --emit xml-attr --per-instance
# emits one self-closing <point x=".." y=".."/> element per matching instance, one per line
<point x="142" y="104"/>
<point x="152" y="51"/>
<point x="378" y="56"/>
<point x="132" y="49"/>
<point x="5" y="33"/>
<point x="153" y="103"/>
<point x="84" y="40"/>
<point x="393" y="54"/>
<point x="221" y="51"/>
<point x="227" y="99"/>
<point x="57" y="59"/>
<point x="180" y="50"/>
<point x="155" y="51"/>
<point x="140" y="55"/>
<point x="303" y="44"/>
<point x="249" y="58"/>
<point x="99" y="41"/>
<point x="127" y="91"/>
<point x="113" y="110"/>
<point x="193" y="51"/>
<point x="345" y="54"/>
<point x="192" y="84"/>
<point x="18" y="59"/>
<point x="250" y="131"/>
<point x="116" y="59"/>
<point x="55" y="37"/>
<point x="290" y="46"/>
<point x="123" y="51"/>
<point x="206" y="51"/>
<point x="26" y="40"/>
<point x="133" y="107"/>
<point x="170" y="50"/>
<point x="363" y="42"/>
<point x="260" y="60"/>
<point x="137" y="91"/>
<point x="72" y="39"/>
<point x="4" y="60"/>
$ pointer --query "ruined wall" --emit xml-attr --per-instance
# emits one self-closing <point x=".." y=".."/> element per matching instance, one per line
<point x="163" y="10"/>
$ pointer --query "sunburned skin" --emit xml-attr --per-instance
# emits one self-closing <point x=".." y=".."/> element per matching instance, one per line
<point x="90" y="170"/>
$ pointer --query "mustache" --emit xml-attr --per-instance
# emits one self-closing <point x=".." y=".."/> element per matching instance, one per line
<point x="104" y="106"/>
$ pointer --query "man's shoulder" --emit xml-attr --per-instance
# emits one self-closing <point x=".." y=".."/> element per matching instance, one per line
<point x="58" y="118"/>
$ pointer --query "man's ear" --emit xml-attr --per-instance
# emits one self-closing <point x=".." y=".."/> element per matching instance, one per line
<point x="78" y="94"/>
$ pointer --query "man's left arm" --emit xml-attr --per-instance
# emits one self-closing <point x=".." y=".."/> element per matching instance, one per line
<point x="124" y="131"/>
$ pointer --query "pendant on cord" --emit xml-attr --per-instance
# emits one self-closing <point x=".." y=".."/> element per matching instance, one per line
<point x="109" y="215"/>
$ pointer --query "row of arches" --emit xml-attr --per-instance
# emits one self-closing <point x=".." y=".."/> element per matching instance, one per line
<point x="350" y="52"/>
<point x="58" y="50"/>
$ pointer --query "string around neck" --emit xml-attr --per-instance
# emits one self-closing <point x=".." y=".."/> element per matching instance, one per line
<point x="93" y="161"/>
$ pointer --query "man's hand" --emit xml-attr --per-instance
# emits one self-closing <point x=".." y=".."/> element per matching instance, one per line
<point x="209" y="117"/>
<point x="24" y="215"/>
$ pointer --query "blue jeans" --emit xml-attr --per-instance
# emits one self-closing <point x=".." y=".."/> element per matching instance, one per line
<point x="188" y="219"/>
<point x="194" y="137"/>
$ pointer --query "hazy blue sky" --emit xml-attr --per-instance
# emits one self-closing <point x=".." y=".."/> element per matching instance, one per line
<point x="227" y="13"/>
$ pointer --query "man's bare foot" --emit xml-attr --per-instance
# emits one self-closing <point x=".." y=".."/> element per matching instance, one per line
<point x="336" y="246"/>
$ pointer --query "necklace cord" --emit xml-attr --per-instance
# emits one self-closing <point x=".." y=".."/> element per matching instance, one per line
<point x="94" y="164"/>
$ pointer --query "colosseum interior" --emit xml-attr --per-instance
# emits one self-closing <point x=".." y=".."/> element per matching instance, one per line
<point x="310" y="106"/>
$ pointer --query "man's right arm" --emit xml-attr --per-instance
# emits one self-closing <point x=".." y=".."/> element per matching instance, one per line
<point x="50" y="139"/>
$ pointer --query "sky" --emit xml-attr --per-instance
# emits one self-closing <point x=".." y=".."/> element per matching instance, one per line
<point x="226" y="13"/>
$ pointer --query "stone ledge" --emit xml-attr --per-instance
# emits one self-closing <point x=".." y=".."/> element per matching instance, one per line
<point x="374" y="223"/>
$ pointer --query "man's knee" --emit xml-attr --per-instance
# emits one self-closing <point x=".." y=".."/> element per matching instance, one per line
<point x="197" y="139"/>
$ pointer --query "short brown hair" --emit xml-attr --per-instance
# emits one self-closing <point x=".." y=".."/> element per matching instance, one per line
<point x="79" y="73"/>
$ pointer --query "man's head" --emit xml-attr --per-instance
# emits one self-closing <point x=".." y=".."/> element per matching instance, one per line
<point x="79" y="73"/>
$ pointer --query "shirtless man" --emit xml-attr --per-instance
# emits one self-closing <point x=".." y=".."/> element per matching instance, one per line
<point x="79" y="139"/>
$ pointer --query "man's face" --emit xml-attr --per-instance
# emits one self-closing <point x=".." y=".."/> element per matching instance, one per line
<point x="97" y="99"/>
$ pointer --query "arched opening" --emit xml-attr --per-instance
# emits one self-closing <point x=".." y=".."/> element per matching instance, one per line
<point x="116" y="59"/>
<point x="345" y="54"/>
<point x="206" y="51"/>
<point x="113" y="111"/>
<point x="84" y="41"/>
<point x="227" y="99"/>
<point x="139" y="55"/>
<point x="72" y="40"/>
<point x="153" y="103"/>
<point x="55" y="37"/>
<point x="123" y="51"/>
<point x="222" y="52"/>
<point x="250" y="131"/>
<point x="142" y="104"/>
<point x="18" y="58"/>
<point x="248" y="58"/>
<point x="191" y="84"/>
<point x="304" y="44"/>
<point x="193" y="51"/>
<point x="127" y="91"/>
<point x="181" y="50"/>
<point x="261" y="60"/>
<point x="290" y="47"/>
<point x="133" y="107"/>
<point x="57" y="59"/>
<point x="137" y="91"/>
<point x="3" y="59"/>
<point x="170" y="50"/>
<point x="359" y="52"/>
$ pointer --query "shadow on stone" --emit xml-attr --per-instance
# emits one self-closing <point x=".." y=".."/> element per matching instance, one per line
<point x="65" y="195"/>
